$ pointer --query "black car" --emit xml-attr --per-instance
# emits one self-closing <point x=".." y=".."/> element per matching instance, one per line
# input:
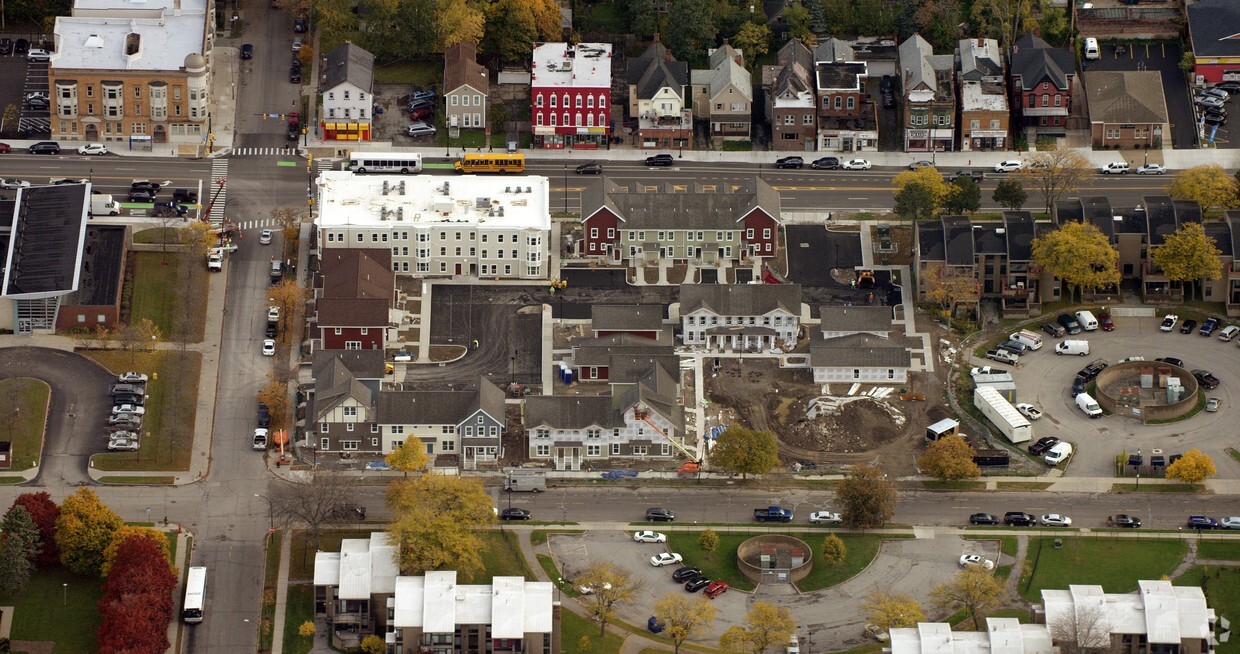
<point x="37" y="103"/>
<point x="1053" y="329"/>
<point x="1091" y="372"/>
<point x="141" y="196"/>
<point x="184" y="196"/>
<point x="294" y="75"/>
<point x="590" y="169"/>
<point x="660" y="160"/>
<point x="790" y="162"/>
<point x="1209" y="326"/>
<point x="983" y="519"/>
<point x="514" y="514"/>
<point x="1124" y="520"/>
<point x="825" y="163"/>
<point x="44" y="147"/>
<point x="659" y="515"/>
<point x="1205" y="379"/>
<point x="264" y="415"/>
<point x="6" y="46"/>
<point x="1188" y="326"/>
<point x="168" y="210"/>
<point x="149" y="187"/>
<point x="271" y="330"/>
<point x="1015" y="347"/>
<point x="1078" y="386"/>
<point x="1230" y="86"/>
<point x="1019" y="519"/>
<point x="1179" y="363"/>
<point x="1045" y="443"/>
<point x="21" y="47"/>
<point x="247" y="51"/>
<point x="125" y="398"/>
<point x="887" y="84"/>
<point x="696" y="584"/>
<point x="1201" y="522"/>
<point x="1214" y="119"/>
<point x="889" y="100"/>
<point x="1069" y="323"/>
<point x="683" y="574"/>
<point x="300" y="25"/>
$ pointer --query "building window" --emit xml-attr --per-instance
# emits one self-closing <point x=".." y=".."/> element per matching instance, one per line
<point x="324" y="427"/>
<point x="348" y="426"/>
<point x="639" y="450"/>
<point x="350" y="445"/>
<point x="594" y="450"/>
<point x="447" y="446"/>
<point x="542" y="450"/>
<point x="325" y="444"/>
<point x="852" y="102"/>
<point x="615" y="449"/>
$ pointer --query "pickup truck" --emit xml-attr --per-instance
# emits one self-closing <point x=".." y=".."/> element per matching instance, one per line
<point x="215" y="261"/>
<point x="976" y="175"/>
<point x="260" y="439"/>
<point x="772" y="514"/>
<point x="1002" y="356"/>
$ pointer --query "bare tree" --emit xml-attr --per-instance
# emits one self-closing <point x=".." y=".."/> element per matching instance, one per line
<point x="1056" y="173"/>
<point x="607" y="586"/>
<point x="324" y="500"/>
<point x="1081" y="631"/>
<point x="289" y="220"/>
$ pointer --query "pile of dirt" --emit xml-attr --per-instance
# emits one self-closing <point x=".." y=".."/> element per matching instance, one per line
<point x="859" y="424"/>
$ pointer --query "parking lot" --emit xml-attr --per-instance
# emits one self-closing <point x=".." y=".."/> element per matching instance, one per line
<point x="1045" y="379"/>
<point x="18" y="79"/>
<point x="910" y="566"/>
<point x="1164" y="58"/>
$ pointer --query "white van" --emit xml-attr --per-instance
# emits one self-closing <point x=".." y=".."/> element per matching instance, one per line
<point x="1229" y="332"/>
<point x="1091" y="48"/>
<point x="1058" y="453"/>
<point x="1031" y="340"/>
<point x="1070" y="346"/>
<point x="1088" y="322"/>
<point x="1088" y="405"/>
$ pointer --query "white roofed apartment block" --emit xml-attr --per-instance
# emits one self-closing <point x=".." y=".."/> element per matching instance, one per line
<point x="473" y="226"/>
<point x="133" y="72"/>
<point x="1157" y="617"/>
<point x="1002" y="636"/>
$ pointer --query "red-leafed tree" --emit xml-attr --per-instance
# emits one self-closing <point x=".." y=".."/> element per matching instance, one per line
<point x="137" y="600"/>
<point x="44" y="513"/>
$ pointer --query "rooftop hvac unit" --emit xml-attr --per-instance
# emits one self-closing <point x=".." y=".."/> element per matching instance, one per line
<point x="400" y="211"/>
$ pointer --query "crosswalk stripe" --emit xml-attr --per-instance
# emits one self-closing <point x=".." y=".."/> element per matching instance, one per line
<point x="219" y="171"/>
<point x="258" y="152"/>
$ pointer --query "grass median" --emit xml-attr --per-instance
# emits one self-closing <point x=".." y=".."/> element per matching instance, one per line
<point x="26" y="401"/>
<point x="721" y="564"/>
<point x="1114" y="563"/>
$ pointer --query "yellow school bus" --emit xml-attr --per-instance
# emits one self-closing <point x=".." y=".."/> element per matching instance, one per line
<point x="491" y="163"/>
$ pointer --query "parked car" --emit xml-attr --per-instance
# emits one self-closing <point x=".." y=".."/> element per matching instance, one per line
<point x="269" y="347"/>
<point x="1114" y="168"/>
<point x="131" y="377"/>
<point x="44" y="147"/>
<point x="515" y="514"/>
<point x="264" y="237"/>
<point x="685" y="573"/>
<point x="1230" y="522"/>
<point x="1045" y="443"/>
<point x="1214" y="119"/>
<point x="665" y="558"/>
<point x="660" y="160"/>
<point x="1213" y="404"/>
<point x="419" y="129"/>
<point x="918" y="165"/>
<point x="825" y="163"/>
<point x="976" y="561"/>
<point x="659" y="515"/>
<point x="297" y="45"/>
<point x="790" y="162"/>
<point x="1207" y="101"/>
<point x="983" y="519"/>
<point x="38" y="54"/>
<point x="13" y="184"/>
<point x="128" y="408"/>
<point x="141" y="196"/>
<point x="654" y="626"/>
<point x="1009" y="166"/>
<point x="1209" y="326"/>
<point x="1152" y="169"/>
<point x="1029" y="411"/>
<point x="1068" y="322"/>
<point x="123" y="445"/>
<point x="1123" y="520"/>
<point x="1060" y="451"/>
<point x="856" y="164"/>
<point x="264" y="415"/>
<point x="715" y="589"/>
<point x="589" y="590"/>
<point x="1019" y="519"/>
<point x="1015" y="347"/>
<point x="1201" y="522"/>
<point x="247" y="50"/>
<point x="649" y="537"/>
<point x="1055" y="520"/>
<point x="694" y="585"/>
<point x="1205" y="379"/>
<point x="5" y="148"/>
<point x="1106" y="322"/>
<point x="21" y="47"/>
<point x="1168" y="322"/>
<point x="423" y="114"/>
<point x="589" y="169"/>
<point x="1053" y="329"/>
<point x="825" y="518"/>
<point x="976" y="175"/>
<point x="1003" y="356"/>
<point x="1216" y="92"/>
<point x="1179" y="363"/>
<point x="1188" y="326"/>
<point x="6" y="46"/>
<point x="294" y="75"/>
<point x="95" y="149"/>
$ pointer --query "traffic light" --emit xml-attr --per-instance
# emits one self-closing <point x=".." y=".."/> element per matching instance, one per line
<point x="309" y="163"/>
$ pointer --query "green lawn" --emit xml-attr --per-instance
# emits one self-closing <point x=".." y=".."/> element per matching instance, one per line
<point x="500" y="558"/>
<point x="299" y="609"/>
<point x="40" y="610"/>
<point x="26" y="410"/>
<point x="1222" y="589"/>
<point x="159" y="290"/>
<point x="1227" y="550"/>
<point x="573" y="627"/>
<point x="301" y="553"/>
<point x="168" y="427"/>
<point x="413" y="73"/>
<point x="1115" y="563"/>
<point x="155" y="236"/>
<point x="721" y="564"/>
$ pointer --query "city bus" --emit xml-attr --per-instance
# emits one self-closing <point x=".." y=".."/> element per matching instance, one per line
<point x="195" y="595"/>
<point x="491" y="163"/>
<point x="405" y="163"/>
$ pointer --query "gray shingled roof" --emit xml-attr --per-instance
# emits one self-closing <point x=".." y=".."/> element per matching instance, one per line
<point x="1214" y="28"/>
<point x="349" y="63"/>
<point x="740" y="299"/>
<point x="439" y="407"/>
<point x="629" y="368"/>
<point x="958" y="236"/>
<point x="598" y="351"/>
<point x="979" y="58"/>
<point x="363" y="364"/>
<point x="834" y="49"/>
<point x="724" y="70"/>
<point x="855" y="319"/>
<point x="1127" y="96"/>
<point x="1221" y="233"/>
<point x="1097" y="210"/>
<point x="930" y="243"/>
<point x="1035" y="61"/>
<point x="919" y="63"/>
<point x="1019" y="225"/>
<point x="336" y="384"/>
<point x="665" y="208"/>
<point x="626" y="317"/>
<point x="858" y="351"/>
<point x="655" y="69"/>
<point x="570" y="412"/>
<point x="658" y="391"/>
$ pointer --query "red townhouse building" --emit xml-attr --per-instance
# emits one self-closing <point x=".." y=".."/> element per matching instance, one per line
<point x="354" y="290"/>
<point x="570" y="95"/>
<point x="1041" y="86"/>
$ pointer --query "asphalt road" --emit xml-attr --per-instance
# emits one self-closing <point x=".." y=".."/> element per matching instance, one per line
<point x="264" y="90"/>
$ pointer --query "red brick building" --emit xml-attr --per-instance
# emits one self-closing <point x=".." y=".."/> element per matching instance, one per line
<point x="354" y="290"/>
<point x="1041" y="86"/>
<point x="570" y="95"/>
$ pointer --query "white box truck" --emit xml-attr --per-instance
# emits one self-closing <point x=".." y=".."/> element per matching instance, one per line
<point x="104" y="205"/>
<point x="532" y="481"/>
<point x="1002" y="414"/>
<point x="1031" y="340"/>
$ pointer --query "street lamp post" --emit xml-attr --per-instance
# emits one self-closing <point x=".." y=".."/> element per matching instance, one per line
<point x="513" y="380"/>
<point x="271" y="516"/>
<point x="66" y="602"/>
<point x="566" y="189"/>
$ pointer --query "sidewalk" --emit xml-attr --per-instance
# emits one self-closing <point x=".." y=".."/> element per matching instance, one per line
<point x="277" y="620"/>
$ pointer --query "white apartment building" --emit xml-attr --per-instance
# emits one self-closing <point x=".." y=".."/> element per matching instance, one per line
<point x="740" y="316"/>
<point x="474" y="226"/>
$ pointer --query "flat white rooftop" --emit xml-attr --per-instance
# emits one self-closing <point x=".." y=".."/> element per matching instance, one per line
<point x="585" y="65"/>
<point x="391" y="201"/>
<point x="974" y="97"/>
<point x="95" y="42"/>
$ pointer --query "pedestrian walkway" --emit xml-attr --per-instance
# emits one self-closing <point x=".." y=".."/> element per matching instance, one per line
<point x="217" y="192"/>
<point x="263" y="152"/>
<point x="277" y="620"/>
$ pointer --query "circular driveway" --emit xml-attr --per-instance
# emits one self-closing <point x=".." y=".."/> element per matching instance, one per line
<point x="1044" y="379"/>
<point x="78" y="411"/>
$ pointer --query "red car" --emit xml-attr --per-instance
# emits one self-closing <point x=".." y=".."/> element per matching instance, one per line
<point x="5" y="148"/>
<point x="715" y="589"/>
<point x="1105" y="322"/>
<point x="421" y="114"/>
